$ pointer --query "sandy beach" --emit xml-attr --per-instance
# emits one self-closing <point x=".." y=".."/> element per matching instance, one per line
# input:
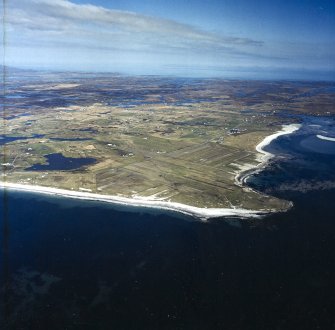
<point x="201" y="213"/>
<point x="287" y="129"/>
<point x="263" y="156"/>
<point x="143" y="202"/>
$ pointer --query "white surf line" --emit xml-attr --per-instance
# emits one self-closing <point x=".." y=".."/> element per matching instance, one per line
<point x="265" y="156"/>
<point x="322" y="137"/>
<point x="201" y="213"/>
<point x="286" y="129"/>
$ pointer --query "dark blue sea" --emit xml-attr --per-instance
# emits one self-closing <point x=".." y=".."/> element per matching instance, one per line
<point x="69" y="264"/>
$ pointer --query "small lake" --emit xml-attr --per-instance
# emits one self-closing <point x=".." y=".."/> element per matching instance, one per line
<point x="7" y="139"/>
<point x="70" y="139"/>
<point x="58" y="162"/>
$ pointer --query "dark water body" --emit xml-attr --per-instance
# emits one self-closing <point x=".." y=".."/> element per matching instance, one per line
<point x="89" y="129"/>
<point x="7" y="139"/>
<point x="70" y="139"/>
<point x="303" y="152"/>
<point x="58" y="162"/>
<point x="17" y="116"/>
<point x="68" y="264"/>
<point x="314" y="145"/>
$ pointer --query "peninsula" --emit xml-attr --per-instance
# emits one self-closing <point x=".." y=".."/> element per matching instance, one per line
<point x="171" y="143"/>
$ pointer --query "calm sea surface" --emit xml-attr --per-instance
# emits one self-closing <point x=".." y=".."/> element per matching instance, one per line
<point x="68" y="264"/>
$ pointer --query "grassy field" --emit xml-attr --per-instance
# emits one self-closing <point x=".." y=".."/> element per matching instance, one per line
<point x="180" y="154"/>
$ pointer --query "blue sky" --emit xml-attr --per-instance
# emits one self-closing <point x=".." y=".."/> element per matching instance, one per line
<point x="228" y="38"/>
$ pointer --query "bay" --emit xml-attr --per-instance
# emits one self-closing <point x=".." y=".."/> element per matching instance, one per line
<point x="68" y="264"/>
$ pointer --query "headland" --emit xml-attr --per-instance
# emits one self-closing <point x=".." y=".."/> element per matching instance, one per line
<point x="153" y="202"/>
<point x="157" y="140"/>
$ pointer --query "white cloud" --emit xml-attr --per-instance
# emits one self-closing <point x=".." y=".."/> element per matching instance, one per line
<point x="61" y="21"/>
<point x="60" y="33"/>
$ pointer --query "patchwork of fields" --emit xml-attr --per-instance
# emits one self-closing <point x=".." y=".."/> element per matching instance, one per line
<point x="161" y="138"/>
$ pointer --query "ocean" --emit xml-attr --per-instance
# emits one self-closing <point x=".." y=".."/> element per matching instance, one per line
<point x="72" y="264"/>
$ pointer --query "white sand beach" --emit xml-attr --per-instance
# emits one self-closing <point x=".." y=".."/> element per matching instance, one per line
<point x="264" y="156"/>
<point x="287" y="129"/>
<point x="201" y="213"/>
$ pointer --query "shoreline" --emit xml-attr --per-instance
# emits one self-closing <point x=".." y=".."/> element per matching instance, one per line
<point x="201" y="213"/>
<point x="142" y="202"/>
<point x="264" y="156"/>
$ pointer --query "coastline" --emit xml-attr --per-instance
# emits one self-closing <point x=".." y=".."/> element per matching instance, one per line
<point x="263" y="156"/>
<point x="201" y="213"/>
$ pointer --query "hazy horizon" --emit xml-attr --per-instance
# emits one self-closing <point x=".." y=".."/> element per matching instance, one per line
<point x="226" y="39"/>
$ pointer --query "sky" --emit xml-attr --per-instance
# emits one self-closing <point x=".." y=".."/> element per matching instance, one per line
<point x="204" y="38"/>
